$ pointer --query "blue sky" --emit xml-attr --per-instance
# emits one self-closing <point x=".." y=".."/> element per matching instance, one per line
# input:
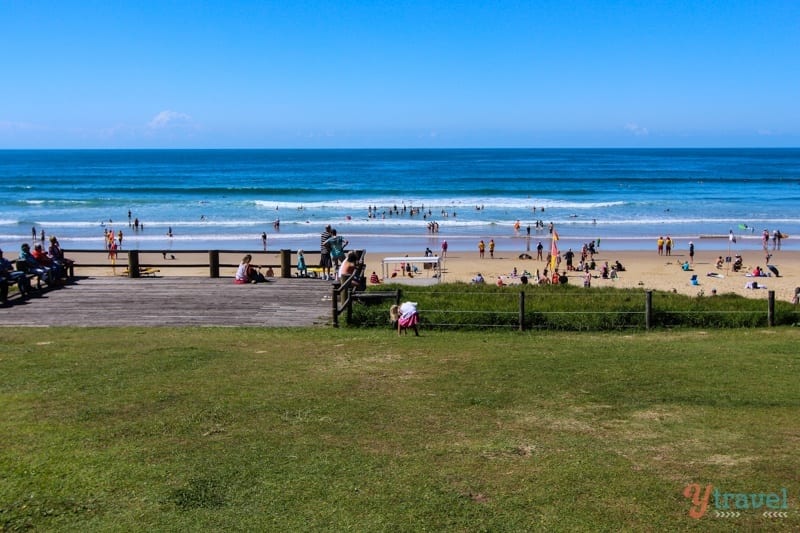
<point x="310" y="74"/>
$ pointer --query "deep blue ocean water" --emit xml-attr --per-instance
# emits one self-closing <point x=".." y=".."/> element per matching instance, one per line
<point x="224" y="199"/>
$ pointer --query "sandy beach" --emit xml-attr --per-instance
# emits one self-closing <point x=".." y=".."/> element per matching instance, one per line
<point x="643" y="269"/>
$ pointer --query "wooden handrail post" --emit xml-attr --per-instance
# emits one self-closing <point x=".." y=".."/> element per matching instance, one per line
<point x="133" y="263"/>
<point x="349" y="300"/>
<point x="522" y="310"/>
<point x="286" y="263"/>
<point x="335" y="304"/>
<point x="648" y="309"/>
<point x="213" y="263"/>
<point x="771" y="308"/>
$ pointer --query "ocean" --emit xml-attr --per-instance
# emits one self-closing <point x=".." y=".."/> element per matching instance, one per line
<point x="384" y="200"/>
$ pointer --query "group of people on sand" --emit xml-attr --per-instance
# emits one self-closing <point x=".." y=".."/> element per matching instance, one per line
<point x="586" y="266"/>
<point x="777" y="237"/>
<point x="482" y="249"/>
<point x="664" y="246"/>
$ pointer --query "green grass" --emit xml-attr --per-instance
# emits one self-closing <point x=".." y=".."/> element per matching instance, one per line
<point x="189" y="429"/>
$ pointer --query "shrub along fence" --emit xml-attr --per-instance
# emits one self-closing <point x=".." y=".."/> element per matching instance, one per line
<point x="466" y="306"/>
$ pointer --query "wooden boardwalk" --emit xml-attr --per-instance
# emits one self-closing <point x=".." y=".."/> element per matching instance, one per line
<point x="175" y="301"/>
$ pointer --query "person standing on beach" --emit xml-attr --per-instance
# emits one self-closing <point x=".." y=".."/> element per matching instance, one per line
<point x="668" y="245"/>
<point x="660" y="244"/>
<point x="33" y="233"/>
<point x="336" y="245"/>
<point x="325" y="262"/>
<point x="481" y="248"/>
<point x="691" y="253"/>
<point x="491" y="248"/>
<point x="444" y="249"/>
<point x="112" y="253"/>
<point x="302" y="270"/>
<point x="264" y="240"/>
<point x="539" y="248"/>
<point x="569" y="256"/>
<point x="119" y="238"/>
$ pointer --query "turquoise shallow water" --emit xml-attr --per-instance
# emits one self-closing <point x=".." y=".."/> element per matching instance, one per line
<point x="224" y="199"/>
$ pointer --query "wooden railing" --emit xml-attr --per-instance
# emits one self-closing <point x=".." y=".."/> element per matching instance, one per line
<point x="133" y="260"/>
<point x="352" y="288"/>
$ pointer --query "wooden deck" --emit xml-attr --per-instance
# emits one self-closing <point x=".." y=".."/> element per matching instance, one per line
<point x="175" y="301"/>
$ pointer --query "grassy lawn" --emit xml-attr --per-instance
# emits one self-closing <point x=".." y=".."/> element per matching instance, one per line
<point x="360" y="430"/>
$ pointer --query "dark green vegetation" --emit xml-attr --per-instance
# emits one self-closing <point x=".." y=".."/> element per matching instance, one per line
<point x="572" y="308"/>
<point x="192" y="429"/>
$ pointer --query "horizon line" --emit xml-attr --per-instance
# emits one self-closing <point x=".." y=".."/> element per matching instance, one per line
<point x="398" y="148"/>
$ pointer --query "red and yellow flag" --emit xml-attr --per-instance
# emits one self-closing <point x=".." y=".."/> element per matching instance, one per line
<point x="554" y="252"/>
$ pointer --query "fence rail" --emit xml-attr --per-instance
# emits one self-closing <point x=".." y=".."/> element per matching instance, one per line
<point x="134" y="261"/>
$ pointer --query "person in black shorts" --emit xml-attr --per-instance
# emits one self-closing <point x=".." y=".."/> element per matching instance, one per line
<point x="325" y="262"/>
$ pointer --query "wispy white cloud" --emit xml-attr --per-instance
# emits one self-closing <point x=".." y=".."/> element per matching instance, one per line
<point x="169" y="119"/>
<point x="636" y="129"/>
<point x="7" y="125"/>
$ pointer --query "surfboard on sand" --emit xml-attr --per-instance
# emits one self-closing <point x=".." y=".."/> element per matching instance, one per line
<point x="774" y="270"/>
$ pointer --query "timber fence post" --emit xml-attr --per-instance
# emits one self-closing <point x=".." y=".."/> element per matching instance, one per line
<point x="286" y="263"/>
<point x="213" y="263"/>
<point x="133" y="263"/>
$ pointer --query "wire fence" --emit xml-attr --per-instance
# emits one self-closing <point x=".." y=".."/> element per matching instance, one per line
<point x="525" y="310"/>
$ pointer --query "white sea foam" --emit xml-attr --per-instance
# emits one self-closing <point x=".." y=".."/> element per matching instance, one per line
<point x="361" y="205"/>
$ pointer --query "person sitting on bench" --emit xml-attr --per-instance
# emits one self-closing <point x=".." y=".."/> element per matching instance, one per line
<point x="57" y="254"/>
<point x="9" y="276"/>
<point x="27" y="263"/>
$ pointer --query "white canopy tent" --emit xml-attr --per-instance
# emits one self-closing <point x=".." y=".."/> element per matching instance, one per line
<point x="429" y="263"/>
